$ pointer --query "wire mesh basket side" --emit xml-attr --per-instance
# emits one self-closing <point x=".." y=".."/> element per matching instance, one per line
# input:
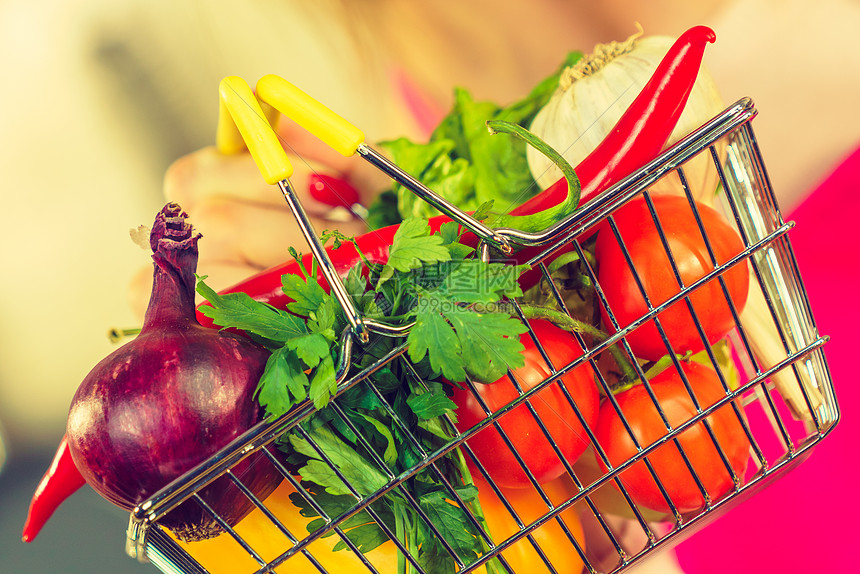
<point x="773" y="396"/>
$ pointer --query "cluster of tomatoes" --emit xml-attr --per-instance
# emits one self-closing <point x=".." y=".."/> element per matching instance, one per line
<point x="664" y="248"/>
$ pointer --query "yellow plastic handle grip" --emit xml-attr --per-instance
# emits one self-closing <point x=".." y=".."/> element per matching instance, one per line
<point x="332" y="129"/>
<point x="242" y="119"/>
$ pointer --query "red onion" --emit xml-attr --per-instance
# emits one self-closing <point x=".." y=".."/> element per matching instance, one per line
<point x="170" y="398"/>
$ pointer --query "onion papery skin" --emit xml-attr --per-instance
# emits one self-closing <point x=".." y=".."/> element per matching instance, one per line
<point x="166" y="401"/>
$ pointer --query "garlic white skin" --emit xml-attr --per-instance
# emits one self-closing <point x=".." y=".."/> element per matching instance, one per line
<point x="593" y="94"/>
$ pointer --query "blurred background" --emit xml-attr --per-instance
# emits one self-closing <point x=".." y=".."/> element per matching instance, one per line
<point x="100" y="96"/>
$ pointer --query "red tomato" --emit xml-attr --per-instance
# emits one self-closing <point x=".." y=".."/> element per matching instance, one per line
<point x="648" y="427"/>
<point x="520" y="426"/>
<point x="642" y="241"/>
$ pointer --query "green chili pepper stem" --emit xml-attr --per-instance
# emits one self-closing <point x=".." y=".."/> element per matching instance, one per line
<point x="545" y="219"/>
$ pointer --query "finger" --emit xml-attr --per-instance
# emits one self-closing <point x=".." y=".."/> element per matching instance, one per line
<point x="206" y="174"/>
<point x="313" y="156"/>
<point x="256" y="235"/>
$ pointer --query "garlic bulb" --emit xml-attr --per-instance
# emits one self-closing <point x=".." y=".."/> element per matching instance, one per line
<point x="591" y="97"/>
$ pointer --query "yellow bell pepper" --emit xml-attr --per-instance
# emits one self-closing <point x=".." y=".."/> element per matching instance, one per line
<point x="224" y="555"/>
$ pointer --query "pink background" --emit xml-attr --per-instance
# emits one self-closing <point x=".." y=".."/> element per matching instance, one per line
<point x="807" y="521"/>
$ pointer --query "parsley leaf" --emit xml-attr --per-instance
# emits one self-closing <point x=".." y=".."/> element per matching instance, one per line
<point x="431" y="404"/>
<point x="240" y="311"/>
<point x="412" y="247"/>
<point x="323" y="383"/>
<point x="432" y="335"/>
<point x="283" y="382"/>
<point x="491" y="341"/>
<point x="307" y="294"/>
<point x="364" y="476"/>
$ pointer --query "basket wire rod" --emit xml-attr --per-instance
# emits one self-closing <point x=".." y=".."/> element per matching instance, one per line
<point x="790" y="306"/>
<point x="738" y="409"/>
<point x="363" y="503"/>
<point x="681" y="529"/>
<point x="430" y="457"/>
<point x="227" y="528"/>
<point x="683" y="290"/>
<point x="464" y="447"/>
<point x="656" y="309"/>
<point x="328" y="270"/>
<point x="827" y="389"/>
<point x="467" y="450"/>
<point x="264" y="566"/>
<point x="293" y="539"/>
<point x="394" y="171"/>
<point x="525" y="530"/>
<point x="404" y="492"/>
<point x="166" y="555"/>
<point x="783" y="431"/>
<point x="590" y="438"/>
<point x="750" y="178"/>
<point x="739" y="113"/>
<point x="759" y="379"/>
<point x="498" y="428"/>
<point x="720" y="278"/>
<point x="589" y="270"/>
<point x="382" y="362"/>
<point x="260" y="434"/>
<point x="597" y="209"/>
<point x="636" y="443"/>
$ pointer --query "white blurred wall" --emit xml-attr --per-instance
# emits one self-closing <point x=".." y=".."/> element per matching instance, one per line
<point x="98" y="96"/>
<point x="72" y="183"/>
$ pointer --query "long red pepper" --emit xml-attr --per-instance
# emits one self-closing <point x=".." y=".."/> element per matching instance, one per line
<point x="643" y="129"/>
<point x="60" y="481"/>
<point x="636" y="139"/>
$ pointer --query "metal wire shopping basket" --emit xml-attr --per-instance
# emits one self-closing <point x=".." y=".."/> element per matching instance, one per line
<point x="777" y="391"/>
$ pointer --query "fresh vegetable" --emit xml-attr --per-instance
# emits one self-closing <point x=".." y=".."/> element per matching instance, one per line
<point x="798" y="388"/>
<point x="643" y="129"/>
<point x="464" y="162"/>
<point x="433" y="283"/>
<point x="61" y="480"/>
<point x="223" y="555"/>
<point x="717" y="477"/>
<point x="592" y="94"/>
<point x="551" y="407"/>
<point x="166" y="401"/>
<point x="557" y="543"/>
<point x="636" y="139"/>
<point x="653" y="267"/>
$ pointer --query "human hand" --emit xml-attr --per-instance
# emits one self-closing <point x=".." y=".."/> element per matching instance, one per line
<point x="245" y="223"/>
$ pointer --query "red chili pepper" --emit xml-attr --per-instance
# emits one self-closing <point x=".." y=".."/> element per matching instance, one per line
<point x="643" y="130"/>
<point x="636" y="139"/>
<point x="61" y="480"/>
